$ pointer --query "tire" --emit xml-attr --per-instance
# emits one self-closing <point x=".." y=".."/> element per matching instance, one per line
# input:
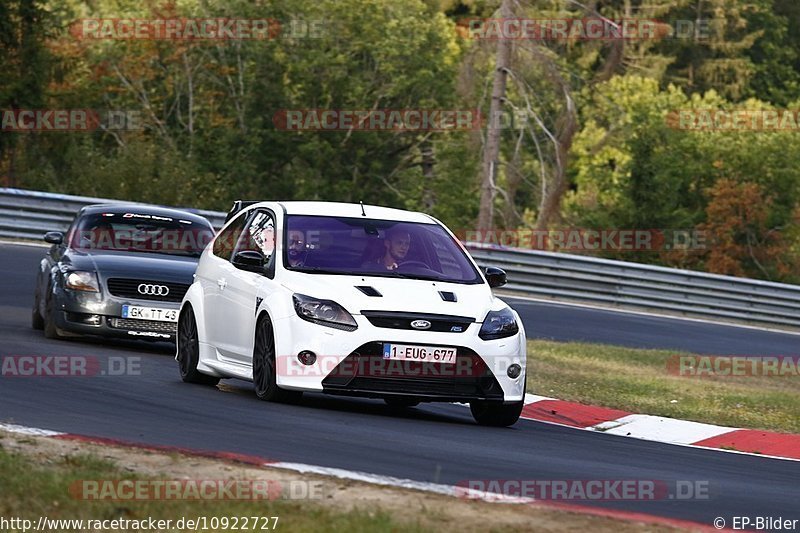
<point x="264" y="374"/>
<point x="401" y="403"/>
<point x="49" y="326"/>
<point x="37" y="322"/>
<point x="496" y="414"/>
<point x="189" y="351"/>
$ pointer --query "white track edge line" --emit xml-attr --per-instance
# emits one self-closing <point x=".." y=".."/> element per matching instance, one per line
<point x="389" y="481"/>
<point x="374" y="479"/>
<point x="25" y="430"/>
<point x="25" y="243"/>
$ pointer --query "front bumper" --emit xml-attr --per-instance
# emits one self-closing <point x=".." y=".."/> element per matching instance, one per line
<point x="92" y="313"/>
<point x="351" y="363"/>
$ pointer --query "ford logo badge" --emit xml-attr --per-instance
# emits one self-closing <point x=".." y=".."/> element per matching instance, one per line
<point x="420" y="324"/>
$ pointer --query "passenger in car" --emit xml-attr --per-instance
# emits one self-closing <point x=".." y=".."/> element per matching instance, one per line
<point x="297" y="251"/>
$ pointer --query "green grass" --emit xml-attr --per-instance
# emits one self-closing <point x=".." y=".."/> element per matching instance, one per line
<point x="638" y="381"/>
<point x="31" y="489"/>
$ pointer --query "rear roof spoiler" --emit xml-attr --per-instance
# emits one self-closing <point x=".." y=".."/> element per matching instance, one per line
<point x="237" y="206"/>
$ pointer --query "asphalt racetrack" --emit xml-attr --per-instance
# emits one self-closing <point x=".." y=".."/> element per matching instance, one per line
<point x="432" y="443"/>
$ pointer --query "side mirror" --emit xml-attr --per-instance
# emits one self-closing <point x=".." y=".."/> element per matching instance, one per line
<point x="54" y="237"/>
<point x="249" y="260"/>
<point x="495" y="276"/>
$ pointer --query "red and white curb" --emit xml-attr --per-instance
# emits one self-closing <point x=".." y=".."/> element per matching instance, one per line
<point x="661" y="429"/>
<point x="375" y="479"/>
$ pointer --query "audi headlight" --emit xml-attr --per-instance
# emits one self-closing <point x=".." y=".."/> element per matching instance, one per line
<point x="79" y="280"/>
<point x="499" y="324"/>
<point x="323" y="312"/>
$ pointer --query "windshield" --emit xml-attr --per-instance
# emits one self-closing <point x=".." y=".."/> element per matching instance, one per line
<point x="361" y="246"/>
<point x="140" y="232"/>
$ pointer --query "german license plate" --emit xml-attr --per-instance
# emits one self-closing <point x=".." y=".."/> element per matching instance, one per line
<point x="149" y="313"/>
<point x="428" y="354"/>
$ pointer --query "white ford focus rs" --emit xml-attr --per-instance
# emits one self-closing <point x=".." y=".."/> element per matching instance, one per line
<point x="351" y="300"/>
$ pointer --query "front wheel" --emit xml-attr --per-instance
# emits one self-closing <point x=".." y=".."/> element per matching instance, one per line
<point x="264" y="368"/>
<point x="189" y="351"/>
<point x="496" y="414"/>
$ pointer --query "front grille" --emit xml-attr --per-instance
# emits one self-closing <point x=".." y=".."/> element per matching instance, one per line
<point x="366" y="372"/>
<point x="399" y="320"/>
<point x="128" y="288"/>
<point x="144" y="325"/>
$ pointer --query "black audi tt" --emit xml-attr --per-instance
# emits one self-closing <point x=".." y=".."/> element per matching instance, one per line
<point x="120" y="270"/>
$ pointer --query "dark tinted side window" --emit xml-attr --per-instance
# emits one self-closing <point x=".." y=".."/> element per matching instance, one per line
<point x="260" y="235"/>
<point x="73" y="228"/>
<point x="226" y="240"/>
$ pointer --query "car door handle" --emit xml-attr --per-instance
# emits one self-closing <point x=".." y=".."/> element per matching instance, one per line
<point x="222" y="283"/>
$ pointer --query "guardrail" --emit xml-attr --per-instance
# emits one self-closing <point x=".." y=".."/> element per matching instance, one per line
<point x="592" y="280"/>
<point x="546" y="275"/>
<point x="30" y="214"/>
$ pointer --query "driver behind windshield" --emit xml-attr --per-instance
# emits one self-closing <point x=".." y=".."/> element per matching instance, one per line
<point x="397" y="244"/>
<point x="100" y="236"/>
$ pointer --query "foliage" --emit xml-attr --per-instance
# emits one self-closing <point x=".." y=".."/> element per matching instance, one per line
<point x="207" y="131"/>
<point x="738" y="226"/>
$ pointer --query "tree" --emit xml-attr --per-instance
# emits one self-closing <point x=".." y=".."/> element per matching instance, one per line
<point x="741" y="241"/>
<point x="25" y="63"/>
<point x="491" y="149"/>
<point x="741" y="53"/>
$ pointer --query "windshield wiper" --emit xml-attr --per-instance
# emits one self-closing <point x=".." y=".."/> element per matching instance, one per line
<point x="414" y="276"/>
<point x="320" y="270"/>
<point x="378" y="273"/>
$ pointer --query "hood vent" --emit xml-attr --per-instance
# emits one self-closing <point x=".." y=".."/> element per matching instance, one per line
<point x="369" y="291"/>
<point x="448" y="296"/>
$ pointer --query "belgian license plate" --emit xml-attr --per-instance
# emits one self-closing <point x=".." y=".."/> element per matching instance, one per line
<point x="149" y="313"/>
<point x="428" y="354"/>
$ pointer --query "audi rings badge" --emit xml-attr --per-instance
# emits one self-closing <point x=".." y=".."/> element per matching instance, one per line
<point x="152" y="290"/>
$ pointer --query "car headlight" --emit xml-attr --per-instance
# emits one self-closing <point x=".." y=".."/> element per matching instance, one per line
<point x="323" y="312"/>
<point x="499" y="324"/>
<point x="79" y="280"/>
